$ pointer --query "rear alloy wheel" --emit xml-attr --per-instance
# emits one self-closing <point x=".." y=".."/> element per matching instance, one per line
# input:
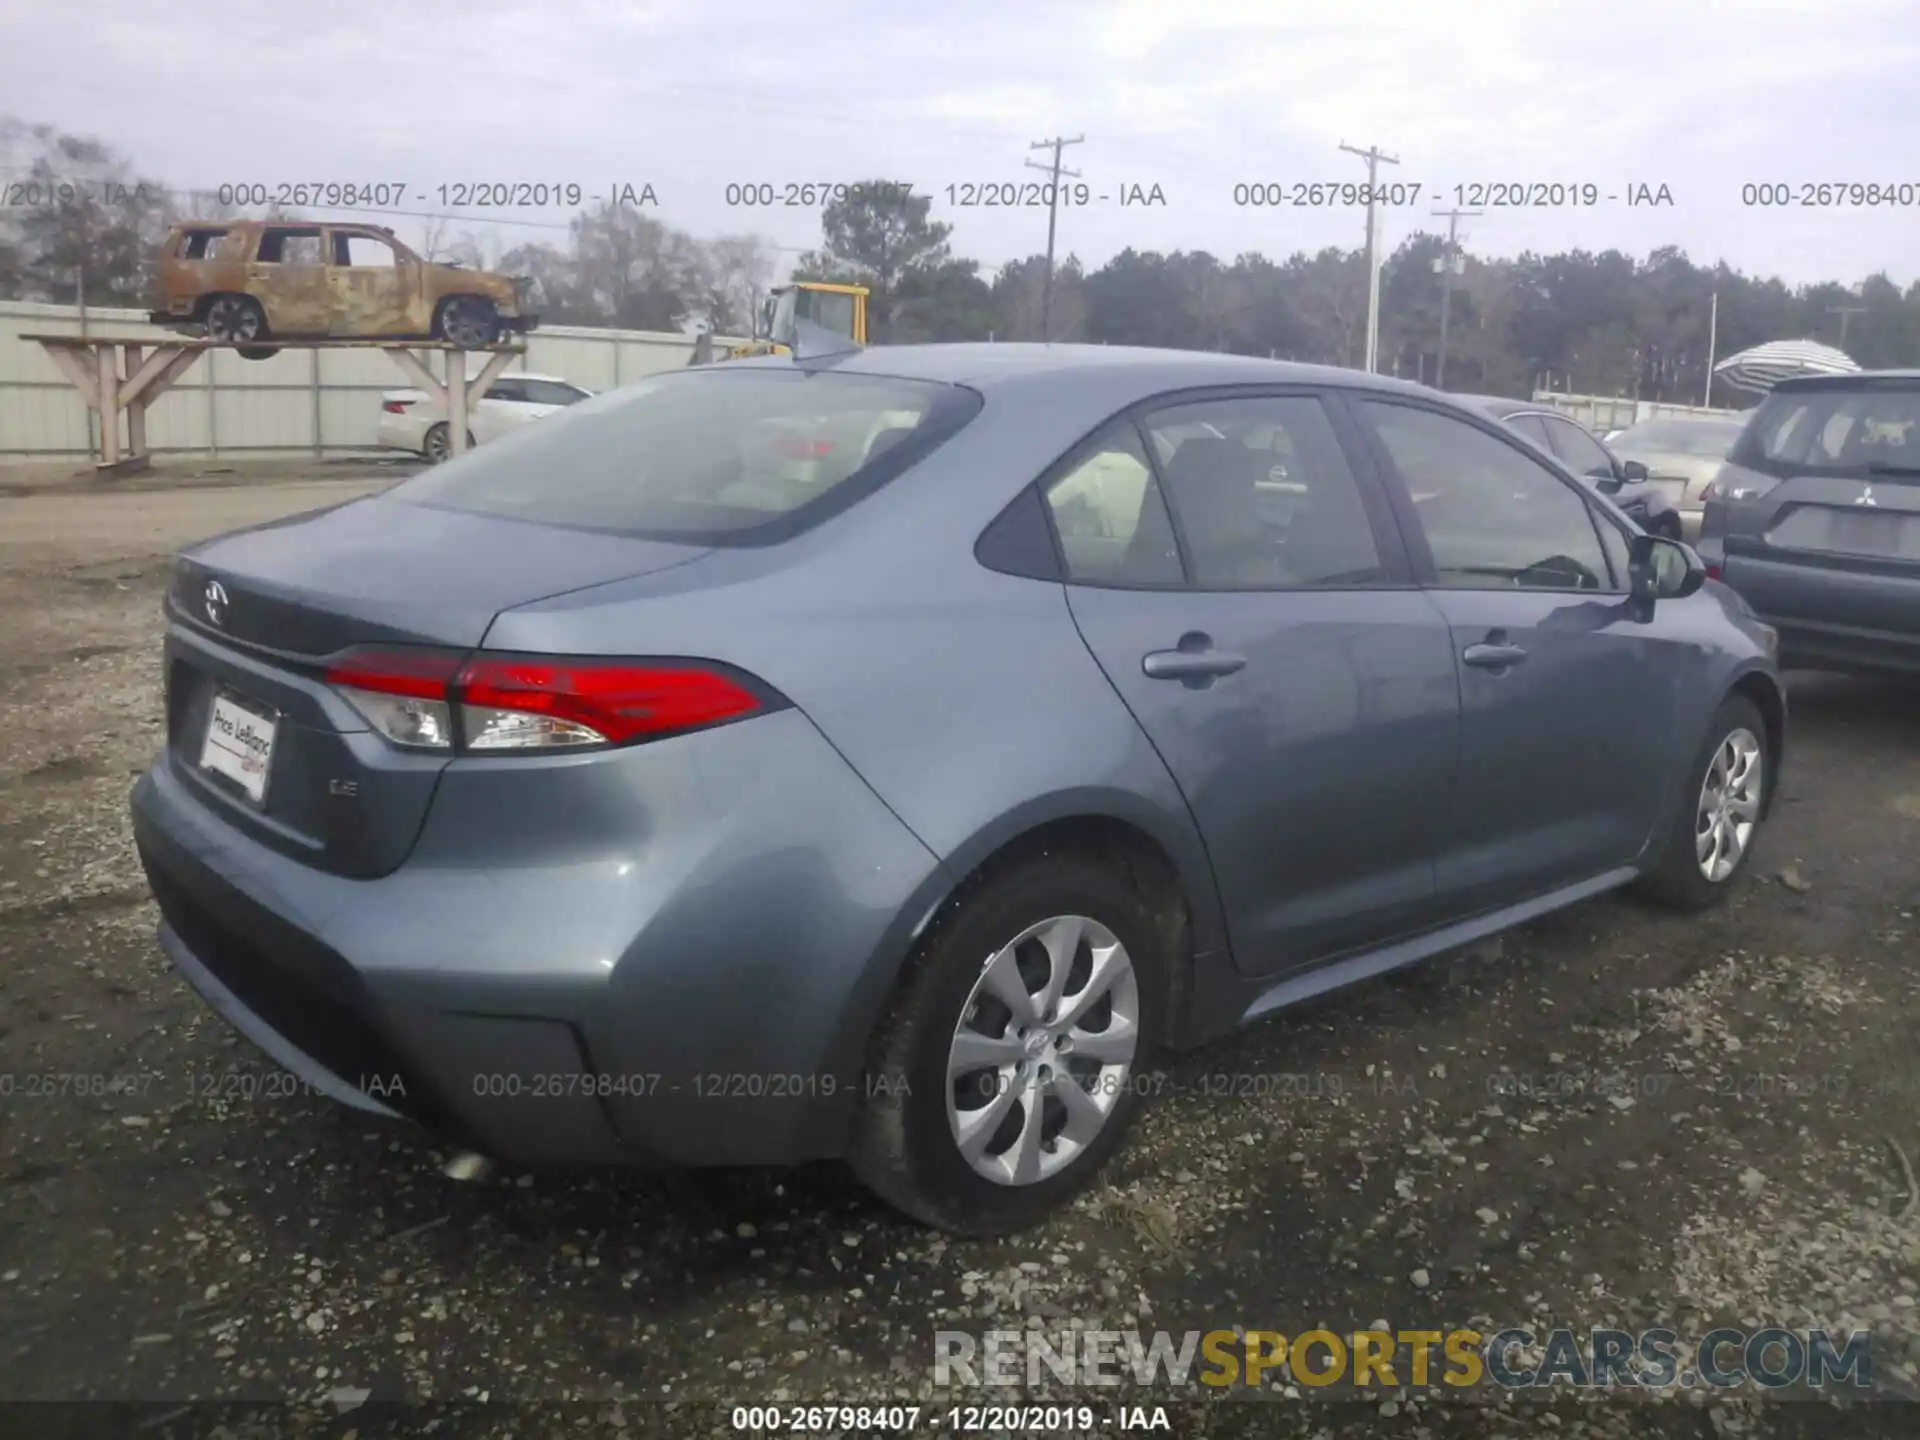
<point x="469" y="321"/>
<point x="1000" y="1085"/>
<point x="238" y="320"/>
<point x="438" y="445"/>
<point x="1713" y="837"/>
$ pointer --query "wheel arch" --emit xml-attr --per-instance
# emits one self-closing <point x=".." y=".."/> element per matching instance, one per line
<point x="1770" y="699"/>
<point x="1169" y="866"/>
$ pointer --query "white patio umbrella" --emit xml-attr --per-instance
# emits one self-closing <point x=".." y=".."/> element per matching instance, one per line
<point x="1765" y="366"/>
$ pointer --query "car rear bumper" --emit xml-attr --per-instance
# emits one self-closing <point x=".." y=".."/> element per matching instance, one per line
<point x="1830" y="617"/>
<point x="671" y="961"/>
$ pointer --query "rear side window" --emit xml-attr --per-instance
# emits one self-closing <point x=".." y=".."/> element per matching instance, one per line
<point x="716" y="457"/>
<point x="1110" y="515"/>
<point x="1834" y="431"/>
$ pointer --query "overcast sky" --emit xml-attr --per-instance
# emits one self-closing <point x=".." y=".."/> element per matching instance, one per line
<point x="1194" y="96"/>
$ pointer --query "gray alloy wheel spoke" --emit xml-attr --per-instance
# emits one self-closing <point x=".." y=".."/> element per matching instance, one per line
<point x="1110" y="964"/>
<point x="1001" y="979"/>
<point x="1061" y="940"/>
<point x="1112" y="1046"/>
<point x="1085" y="1113"/>
<point x="975" y="1128"/>
<point x="1729" y="805"/>
<point x="1025" y="1157"/>
<point x="1058" y="1115"/>
<point x="973" y="1052"/>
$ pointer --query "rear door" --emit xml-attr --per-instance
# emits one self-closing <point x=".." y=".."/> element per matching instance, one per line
<point x="1243" y="586"/>
<point x="1832" y="544"/>
<point x="1568" y="701"/>
<point x="288" y="276"/>
<point x="367" y="287"/>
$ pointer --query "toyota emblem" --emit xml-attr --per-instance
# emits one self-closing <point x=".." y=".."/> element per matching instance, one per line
<point x="216" y="597"/>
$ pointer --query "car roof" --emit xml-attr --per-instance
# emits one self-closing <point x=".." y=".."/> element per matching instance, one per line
<point x="1502" y="408"/>
<point x="986" y="366"/>
<point x="1847" y="381"/>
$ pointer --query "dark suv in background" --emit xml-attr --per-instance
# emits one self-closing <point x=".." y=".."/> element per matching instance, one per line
<point x="1815" y="520"/>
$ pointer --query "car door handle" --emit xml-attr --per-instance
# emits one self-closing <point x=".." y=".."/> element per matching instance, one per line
<point x="1191" y="664"/>
<point x="1492" y="657"/>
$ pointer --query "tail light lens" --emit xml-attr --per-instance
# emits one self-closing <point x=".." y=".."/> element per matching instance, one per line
<point x="536" y="702"/>
<point x="401" y="693"/>
<point x="396" y="407"/>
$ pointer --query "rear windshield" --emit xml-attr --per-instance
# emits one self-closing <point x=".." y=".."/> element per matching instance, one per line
<point x="1709" y="439"/>
<point x="1840" y="431"/>
<point x="721" y="456"/>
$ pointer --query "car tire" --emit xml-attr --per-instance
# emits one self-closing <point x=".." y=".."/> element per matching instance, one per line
<point x="467" y="320"/>
<point x="908" y="1148"/>
<point x="434" y="445"/>
<point x="1688" y="874"/>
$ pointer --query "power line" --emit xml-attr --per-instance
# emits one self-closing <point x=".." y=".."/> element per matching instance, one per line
<point x="1373" y="155"/>
<point x="1053" y="212"/>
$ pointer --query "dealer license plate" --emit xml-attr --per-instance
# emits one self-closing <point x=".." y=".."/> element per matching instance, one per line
<point x="240" y="745"/>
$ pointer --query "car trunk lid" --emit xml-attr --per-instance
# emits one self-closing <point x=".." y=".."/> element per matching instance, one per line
<point x="258" y="614"/>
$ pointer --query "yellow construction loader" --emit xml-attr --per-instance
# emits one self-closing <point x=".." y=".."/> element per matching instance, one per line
<point x="839" y="308"/>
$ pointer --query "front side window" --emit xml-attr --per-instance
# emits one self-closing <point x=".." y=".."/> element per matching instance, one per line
<point x="1110" y="516"/>
<point x="707" y="456"/>
<point x="1263" y="494"/>
<point x="1492" y="517"/>
<point x="1583" y="453"/>
<point x="288" y="245"/>
<point x="363" y="252"/>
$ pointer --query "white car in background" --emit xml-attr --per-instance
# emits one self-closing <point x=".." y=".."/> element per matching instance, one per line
<point x="410" y="421"/>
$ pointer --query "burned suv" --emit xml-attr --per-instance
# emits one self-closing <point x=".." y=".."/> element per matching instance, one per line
<point x="251" y="281"/>
<point x="1815" y="520"/>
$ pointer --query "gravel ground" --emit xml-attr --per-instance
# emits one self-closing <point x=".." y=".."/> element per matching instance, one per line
<point x="1610" y="1117"/>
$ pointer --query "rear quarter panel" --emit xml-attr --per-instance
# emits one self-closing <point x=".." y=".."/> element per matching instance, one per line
<point x="965" y="698"/>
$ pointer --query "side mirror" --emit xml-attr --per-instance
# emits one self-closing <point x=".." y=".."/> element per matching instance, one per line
<point x="1635" y="472"/>
<point x="1663" y="569"/>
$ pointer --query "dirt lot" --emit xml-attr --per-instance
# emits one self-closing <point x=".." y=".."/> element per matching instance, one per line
<point x="1615" y="1117"/>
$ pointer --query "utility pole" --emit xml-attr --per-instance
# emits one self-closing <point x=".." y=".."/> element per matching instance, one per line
<point x="1373" y="155"/>
<point x="1053" y="214"/>
<point x="1449" y="265"/>
<point x="1846" y="313"/>
<point x="1713" y="342"/>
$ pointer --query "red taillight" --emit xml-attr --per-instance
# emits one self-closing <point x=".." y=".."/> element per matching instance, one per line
<point x="611" y="701"/>
<point x="420" y="674"/>
<point x="532" y="702"/>
<point x="795" y="448"/>
<point x="396" y="407"/>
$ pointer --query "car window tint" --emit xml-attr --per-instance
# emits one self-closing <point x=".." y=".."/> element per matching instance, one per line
<point x="1619" y="557"/>
<point x="1491" y="516"/>
<point x="1263" y="494"/>
<point x="1533" y="428"/>
<point x="715" y="455"/>
<point x="506" y="390"/>
<point x="1580" y="450"/>
<point x="549" y="392"/>
<point x="1110" y="515"/>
